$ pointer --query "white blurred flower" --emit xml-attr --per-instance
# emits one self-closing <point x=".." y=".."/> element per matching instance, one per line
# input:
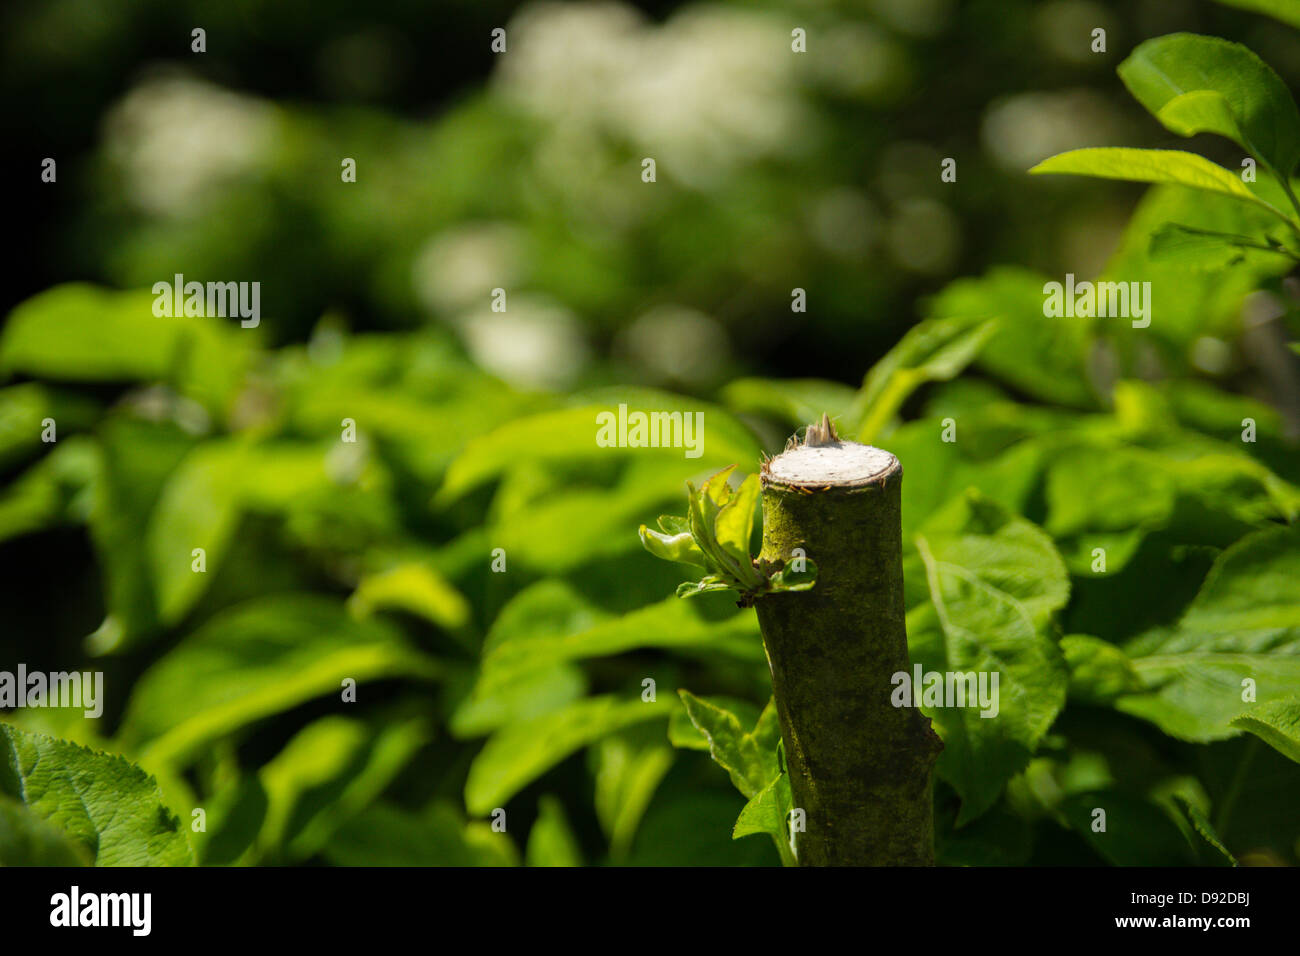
<point x="676" y="344"/>
<point x="566" y="58"/>
<point x="462" y="265"/>
<point x="1211" y="354"/>
<point x="535" y="343"/>
<point x="1025" y="129"/>
<point x="175" y="137"/>
<point x="708" y="90"/>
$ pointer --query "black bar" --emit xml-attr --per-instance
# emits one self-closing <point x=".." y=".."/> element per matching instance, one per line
<point x="331" y="906"/>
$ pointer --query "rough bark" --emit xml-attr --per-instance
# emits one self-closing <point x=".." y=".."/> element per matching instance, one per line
<point x="859" y="767"/>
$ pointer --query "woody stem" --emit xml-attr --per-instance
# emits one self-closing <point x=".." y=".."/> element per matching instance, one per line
<point x="860" y="768"/>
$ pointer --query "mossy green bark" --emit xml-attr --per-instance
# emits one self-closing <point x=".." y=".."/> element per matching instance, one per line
<point x="860" y="768"/>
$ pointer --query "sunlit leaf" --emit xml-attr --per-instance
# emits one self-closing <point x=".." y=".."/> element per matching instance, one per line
<point x="110" y="807"/>
<point x="994" y="582"/>
<point x="1277" y="723"/>
<point x="416" y="588"/>
<point x="1169" y="166"/>
<point x="519" y="753"/>
<point x="551" y="841"/>
<point x="255" y="660"/>
<point x="628" y="771"/>
<point x="937" y="349"/>
<point x="1200" y="84"/>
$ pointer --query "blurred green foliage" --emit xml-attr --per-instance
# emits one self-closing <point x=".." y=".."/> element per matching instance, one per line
<point x="469" y="566"/>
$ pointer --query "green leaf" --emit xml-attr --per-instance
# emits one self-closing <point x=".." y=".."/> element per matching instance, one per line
<point x="1206" y="249"/>
<point x="1288" y="11"/>
<point x="137" y="459"/>
<point x="570" y="435"/>
<point x="551" y="841"/>
<point x="387" y="835"/>
<point x="550" y="609"/>
<point x="628" y="768"/>
<point x="549" y="624"/>
<point x="383" y="384"/>
<point x="109" y="806"/>
<point x="703" y="515"/>
<point x="234" y="819"/>
<point x="730" y="567"/>
<point x="994" y="582"/>
<point x="82" y="332"/>
<point x="255" y="660"/>
<point x="1138" y="832"/>
<point x="330" y="771"/>
<point x="689" y="826"/>
<point x="558" y="525"/>
<point x="500" y="699"/>
<point x="793" y="402"/>
<point x="1193" y="683"/>
<point x="315" y="761"/>
<point x="1243" y="625"/>
<point x="735" y="522"/>
<point x="1201" y="826"/>
<point x="937" y="349"/>
<point x="715" y="535"/>
<point x="199" y="508"/>
<point x="1277" y="723"/>
<point x="1004" y="550"/>
<point x="706" y="585"/>
<point x="27" y="840"/>
<point x="718" y="526"/>
<point x="60" y="488"/>
<point x="1251" y="586"/>
<point x="674" y="524"/>
<point x="413" y="587"/>
<point x="683" y="733"/>
<point x="1043" y="356"/>
<point x="1197" y="303"/>
<point x="519" y="753"/>
<point x="749" y="757"/>
<point x="1170" y="166"/>
<point x="679" y="547"/>
<point x="1099" y="671"/>
<point x="23" y="409"/>
<point x="1109" y="497"/>
<point x="1226" y="481"/>
<point x="1199" y="84"/>
<point x="938" y="471"/>
<point x="515" y="683"/>
<point x="998" y="838"/>
<point x="768" y="811"/>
